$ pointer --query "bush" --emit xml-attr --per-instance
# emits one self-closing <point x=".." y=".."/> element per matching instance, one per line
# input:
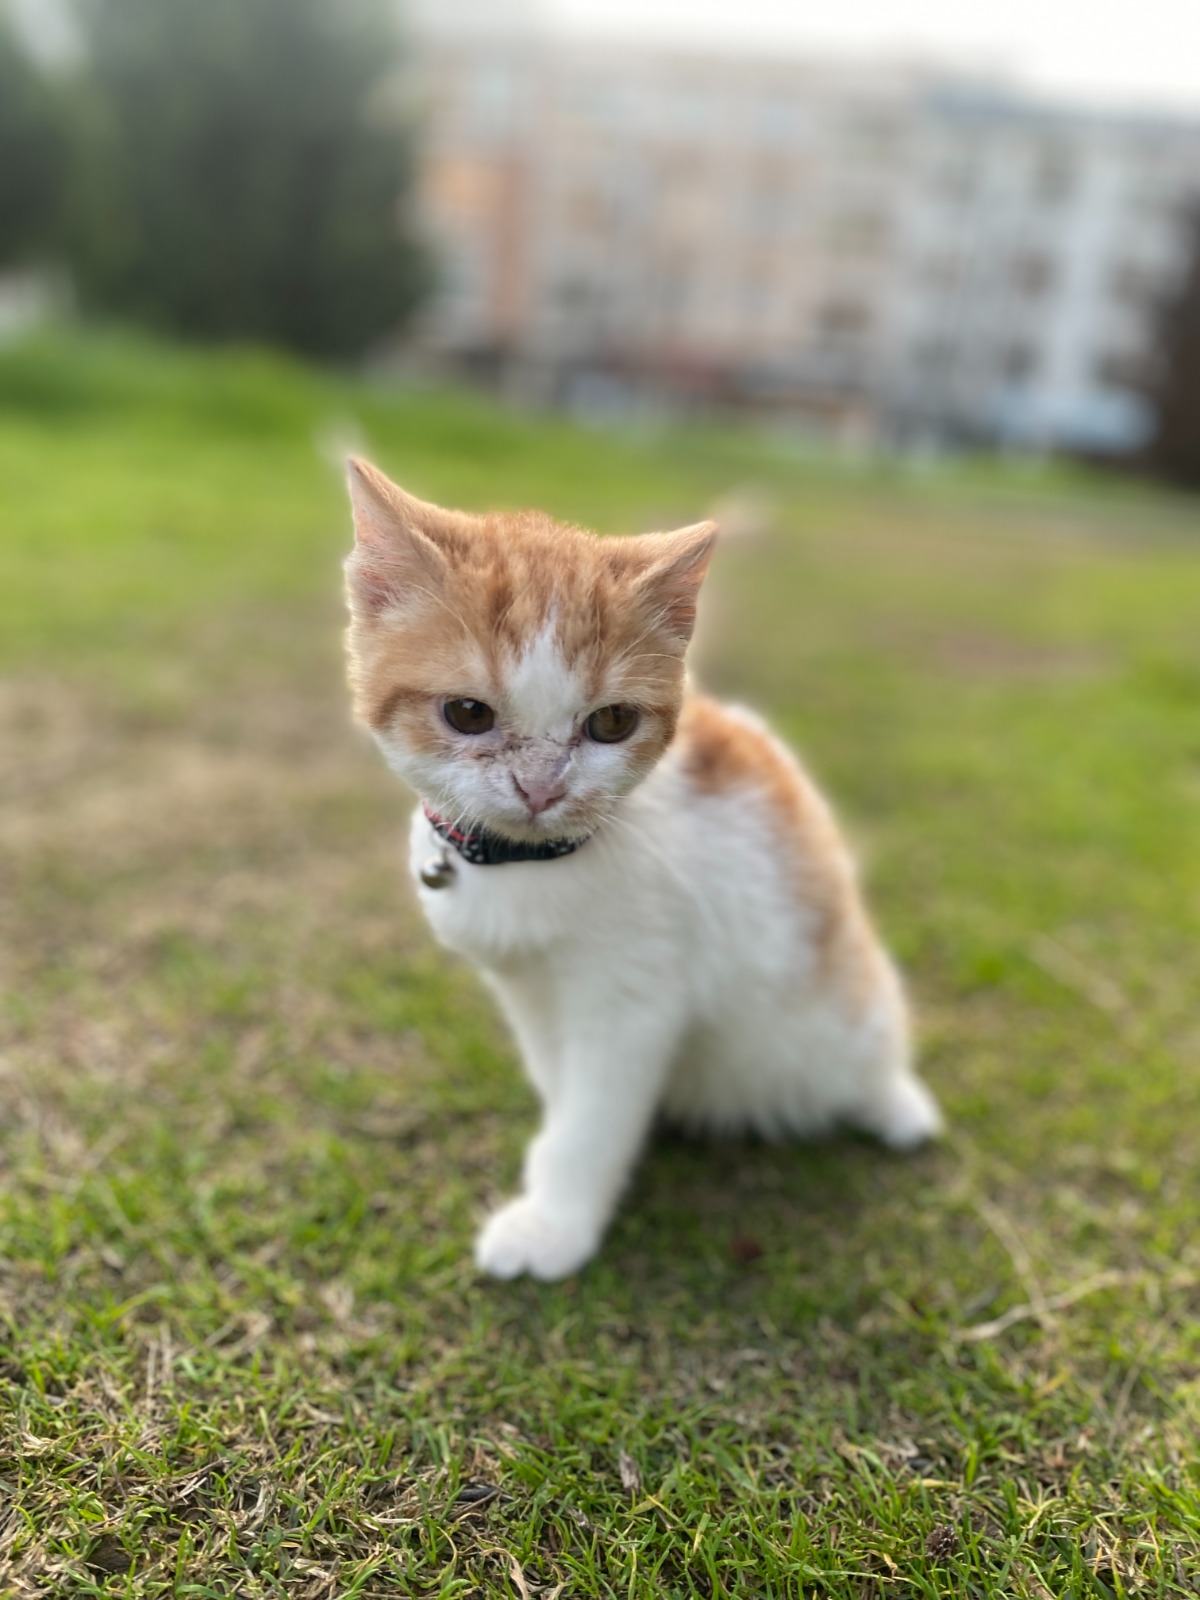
<point x="240" y="173"/>
<point x="33" y="155"/>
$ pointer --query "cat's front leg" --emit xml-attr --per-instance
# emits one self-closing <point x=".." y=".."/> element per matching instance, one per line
<point x="607" y="1086"/>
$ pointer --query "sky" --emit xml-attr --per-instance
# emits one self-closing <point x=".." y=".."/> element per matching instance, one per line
<point x="1131" y="52"/>
<point x="1115" y="52"/>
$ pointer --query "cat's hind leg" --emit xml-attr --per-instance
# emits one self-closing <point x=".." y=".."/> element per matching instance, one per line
<point x="902" y="1113"/>
<point x="892" y="1103"/>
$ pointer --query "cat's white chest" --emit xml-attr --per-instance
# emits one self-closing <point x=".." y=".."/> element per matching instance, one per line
<point x="492" y="914"/>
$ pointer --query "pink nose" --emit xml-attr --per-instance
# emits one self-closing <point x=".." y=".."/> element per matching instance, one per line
<point x="538" y="797"/>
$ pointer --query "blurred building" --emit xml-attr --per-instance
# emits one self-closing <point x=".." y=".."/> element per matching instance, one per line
<point x="1039" y="244"/>
<point x="873" y="250"/>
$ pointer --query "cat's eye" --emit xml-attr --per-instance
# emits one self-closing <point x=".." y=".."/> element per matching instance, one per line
<point x="611" y="724"/>
<point x="469" y="716"/>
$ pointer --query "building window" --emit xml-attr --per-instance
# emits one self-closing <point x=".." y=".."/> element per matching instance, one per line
<point x="755" y="295"/>
<point x="604" y="105"/>
<point x="461" y="190"/>
<point x="958" y="180"/>
<point x="935" y="357"/>
<point x="1018" y="362"/>
<point x="1031" y="274"/>
<point x="944" y="270"/>
<point x="466" y="281"/>
<point x="858" y="233"/>
<point x="587" y="210"/>
<point x="1134" y="285"/>
<point x="765" y="208"/>
<point x="1122" y="369"/>
<point x="874" y="137"/>
<point x="841" y="321"/>
<point x="492" y="99"/>
<point x="1054" y="175"/>
<point x="779" y="121"/>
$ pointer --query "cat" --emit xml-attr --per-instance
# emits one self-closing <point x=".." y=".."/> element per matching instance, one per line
<point x="649" y="883"/>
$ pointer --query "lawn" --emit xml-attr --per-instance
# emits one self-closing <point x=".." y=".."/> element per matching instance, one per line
<point x="250" y="1116"/>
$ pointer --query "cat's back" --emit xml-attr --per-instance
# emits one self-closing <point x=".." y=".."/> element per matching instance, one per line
<point x="727" y="757"/>
<point x="767" y="846"/>
<point x="796" y="1003"/>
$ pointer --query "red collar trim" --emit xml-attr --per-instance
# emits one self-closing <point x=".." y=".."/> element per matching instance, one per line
<point x="482" y="848"/>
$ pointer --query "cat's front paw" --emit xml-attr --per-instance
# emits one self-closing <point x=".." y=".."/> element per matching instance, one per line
<point x="520" y="1237"/>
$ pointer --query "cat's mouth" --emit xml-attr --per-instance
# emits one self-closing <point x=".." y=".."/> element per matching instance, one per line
<point x="565" y="823"/>
<point x="569" y="818"/>
<point x="484" y="835"/>
<point x="565" y="818"/>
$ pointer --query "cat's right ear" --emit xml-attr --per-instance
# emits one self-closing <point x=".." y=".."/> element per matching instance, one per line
<point x="396" y="541"/>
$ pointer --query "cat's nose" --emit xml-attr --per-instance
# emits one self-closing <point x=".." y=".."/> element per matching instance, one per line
<point x="538" y="797"/>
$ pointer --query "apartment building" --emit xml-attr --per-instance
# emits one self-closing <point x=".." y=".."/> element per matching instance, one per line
<point x="1038" y="245"/>
<point x="869" y="249"/>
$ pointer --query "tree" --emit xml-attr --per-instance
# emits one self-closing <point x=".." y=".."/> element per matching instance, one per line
<point x="240" y="175"/>
<point x="1175" y="449"/>
<point x="33" y="154"/>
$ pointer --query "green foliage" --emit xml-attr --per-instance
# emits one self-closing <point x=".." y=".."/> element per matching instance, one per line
<point x="240" y="174"/>
<point x="250" y="1118"/>
<point x="33" y="155"/>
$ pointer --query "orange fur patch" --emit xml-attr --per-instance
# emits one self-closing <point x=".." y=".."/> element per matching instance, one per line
<point x="723" y="753"/>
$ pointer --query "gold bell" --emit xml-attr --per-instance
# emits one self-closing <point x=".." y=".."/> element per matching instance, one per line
<point x="437" y="873"/>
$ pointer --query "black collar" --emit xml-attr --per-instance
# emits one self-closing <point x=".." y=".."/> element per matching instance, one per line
<point x="484" y="849"/>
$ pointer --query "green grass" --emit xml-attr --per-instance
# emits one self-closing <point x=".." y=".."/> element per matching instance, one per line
<point x="250" y="1116"/>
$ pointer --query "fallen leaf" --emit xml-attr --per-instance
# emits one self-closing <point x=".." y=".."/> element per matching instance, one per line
<point x="518" y="1577"/>
<point x="473" y="1496"/>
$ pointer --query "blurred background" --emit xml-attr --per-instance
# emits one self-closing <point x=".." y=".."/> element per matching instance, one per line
<point x="899" y="228"/>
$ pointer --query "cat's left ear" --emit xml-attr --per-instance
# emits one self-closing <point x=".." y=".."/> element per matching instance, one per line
<point x="672" y="577"/>
<point x="400" y="542"/>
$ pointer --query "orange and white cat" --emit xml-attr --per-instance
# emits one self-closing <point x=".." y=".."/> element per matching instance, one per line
<point x="653" y="889"/>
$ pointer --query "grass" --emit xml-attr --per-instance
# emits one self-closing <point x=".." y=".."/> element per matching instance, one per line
<point x="250" y="1117"/>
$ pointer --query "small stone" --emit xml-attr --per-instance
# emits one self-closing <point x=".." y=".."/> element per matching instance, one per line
<point x="745" y="1248"/>
<point x="942" y="1542"/>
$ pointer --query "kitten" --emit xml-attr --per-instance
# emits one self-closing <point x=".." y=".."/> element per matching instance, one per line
<point x="653" y="889"/>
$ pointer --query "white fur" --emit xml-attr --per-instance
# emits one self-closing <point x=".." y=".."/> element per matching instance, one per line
<point x="665" y="967"/>
<point x="543" y="691"/>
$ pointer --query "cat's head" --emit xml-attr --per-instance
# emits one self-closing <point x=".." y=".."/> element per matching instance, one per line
<point x="520" y="674"/>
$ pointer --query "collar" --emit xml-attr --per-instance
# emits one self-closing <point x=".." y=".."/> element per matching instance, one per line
<point x="485" y="849"/>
